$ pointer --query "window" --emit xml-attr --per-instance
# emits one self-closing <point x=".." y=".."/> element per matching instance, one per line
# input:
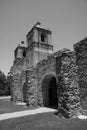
<point x="24" y="54"/>
<point x="42" y="38"/>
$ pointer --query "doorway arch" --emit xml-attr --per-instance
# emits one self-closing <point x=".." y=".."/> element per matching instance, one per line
<point x="49" y="91"/>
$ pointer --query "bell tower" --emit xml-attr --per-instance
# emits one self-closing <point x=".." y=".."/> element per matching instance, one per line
<point x="39" y="43"/>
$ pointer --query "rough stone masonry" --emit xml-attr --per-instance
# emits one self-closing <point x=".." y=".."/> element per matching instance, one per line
<point x="43" y="78"/>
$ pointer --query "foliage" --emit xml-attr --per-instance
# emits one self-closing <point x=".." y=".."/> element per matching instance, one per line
<point x="2" y="80"/>
<point x="4" y="84"/>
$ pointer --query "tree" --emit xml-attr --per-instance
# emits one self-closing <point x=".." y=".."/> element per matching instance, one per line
<point x="5" y="84"/>
<point x="2" y="83"/>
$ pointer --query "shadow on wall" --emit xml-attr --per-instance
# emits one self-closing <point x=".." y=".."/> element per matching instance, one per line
<point x="24" y="91"/>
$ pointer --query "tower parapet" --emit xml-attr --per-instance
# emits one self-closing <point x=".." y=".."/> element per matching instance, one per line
<point x="18" y="53"/>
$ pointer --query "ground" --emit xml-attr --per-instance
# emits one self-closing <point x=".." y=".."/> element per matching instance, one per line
<point x="7" y="107"/>
<point x="45" y="121"/>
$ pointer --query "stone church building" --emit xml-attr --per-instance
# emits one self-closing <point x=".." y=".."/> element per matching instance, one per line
<point x="43" y="78"/>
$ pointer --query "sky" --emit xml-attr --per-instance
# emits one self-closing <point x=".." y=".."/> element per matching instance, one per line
<point x="67" y="19"/>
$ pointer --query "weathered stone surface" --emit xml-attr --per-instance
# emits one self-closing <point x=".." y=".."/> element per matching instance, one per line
<point x="68" y="89"/>
<point x="31" y="88"/>
<point x="23" y="84"/>
<point x="16" y="89"/>
<point x="81" y="61"/>
<point x="43" y="69"/>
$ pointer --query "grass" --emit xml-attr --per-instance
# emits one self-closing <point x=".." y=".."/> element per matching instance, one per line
<point x="46" y="121"/>
<point x="7" y="107"/>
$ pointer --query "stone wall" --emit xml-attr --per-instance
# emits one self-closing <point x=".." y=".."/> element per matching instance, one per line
<point x="81" y="62"/>
<point x="44" y="68"/>
<point x="16" y="89"/>
<point x="31" y="88"/>
<point x="68" y="89"/>
<point x="23" y="85"/>
<point x="68" y="68"/>
<point x="28" y="85"/>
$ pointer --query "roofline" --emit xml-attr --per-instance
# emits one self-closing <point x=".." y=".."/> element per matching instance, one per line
<point x="35" y="27"/>
<point x="19" y="47"/>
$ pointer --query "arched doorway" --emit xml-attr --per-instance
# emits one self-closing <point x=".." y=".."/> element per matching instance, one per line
<point x="49" y="92"/>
